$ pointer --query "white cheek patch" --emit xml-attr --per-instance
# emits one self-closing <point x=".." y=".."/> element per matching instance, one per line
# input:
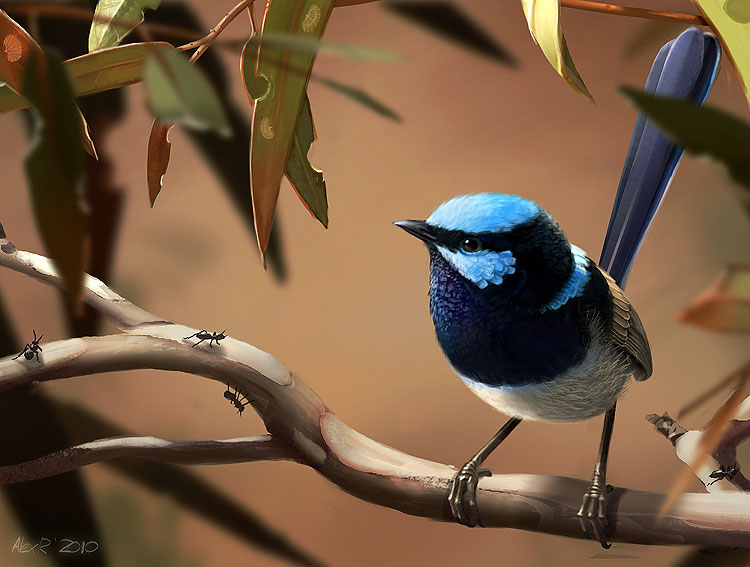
<point x="482" y="268"/>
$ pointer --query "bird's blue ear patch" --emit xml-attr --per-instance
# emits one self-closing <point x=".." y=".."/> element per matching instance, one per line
<point x="484" y="212"/>
<point x="482" y="268"/>
<point x="575" y="284"/>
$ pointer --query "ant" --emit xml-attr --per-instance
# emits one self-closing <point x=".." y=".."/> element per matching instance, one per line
<point x="235" y="398"/>
<point x="32" y="349"/>
<point x="204" y="335"/>
<point x="722" y="473"/>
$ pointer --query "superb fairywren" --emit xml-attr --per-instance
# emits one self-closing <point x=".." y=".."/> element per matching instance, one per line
<point x="530" y="324"/>
<point x="528" y="321"/>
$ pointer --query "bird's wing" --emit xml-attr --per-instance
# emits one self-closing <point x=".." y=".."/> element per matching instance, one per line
<point x="626" y="329"/>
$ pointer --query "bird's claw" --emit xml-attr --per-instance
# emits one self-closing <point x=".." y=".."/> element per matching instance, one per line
<point x="463" y="494"/>
<point x="592" y="513"/>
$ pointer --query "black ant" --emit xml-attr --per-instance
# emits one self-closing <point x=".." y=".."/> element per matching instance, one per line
<point x="235" y="398"/>
<point x="722" y="473"/>
<point x="204" y="335"/>
<point x="32" y="349"/>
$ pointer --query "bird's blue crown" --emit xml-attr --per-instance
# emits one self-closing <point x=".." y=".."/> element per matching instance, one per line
<point x="493" y="214"/>
<point x="484" y="212"/>
<point x="477" y="214"/>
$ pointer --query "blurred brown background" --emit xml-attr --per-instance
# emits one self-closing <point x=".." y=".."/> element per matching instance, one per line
<point x="353" y="319"/>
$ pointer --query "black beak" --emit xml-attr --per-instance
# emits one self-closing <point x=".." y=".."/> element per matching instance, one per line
<point x="420" y="229"/>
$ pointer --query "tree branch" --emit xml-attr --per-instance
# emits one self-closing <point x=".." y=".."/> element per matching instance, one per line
<point x="242" y="450"/>
<point x="691" y="451"/>
<point x="303" y="429"/>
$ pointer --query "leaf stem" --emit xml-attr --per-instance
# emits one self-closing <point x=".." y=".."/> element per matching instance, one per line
<point x="590" y="6"/>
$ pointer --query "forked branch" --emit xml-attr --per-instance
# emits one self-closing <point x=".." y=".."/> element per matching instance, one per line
<point x="303" y="429"/>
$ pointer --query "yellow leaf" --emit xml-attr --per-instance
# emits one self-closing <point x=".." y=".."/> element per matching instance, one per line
<point x="730" y="20"/>
<point x="543" y="17"/>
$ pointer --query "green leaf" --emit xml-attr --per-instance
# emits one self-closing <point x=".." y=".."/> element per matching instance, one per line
<point x="449" y="22"/>
<point x="95" y="72"/>
<point x="730" y="20"/>
<point x="307" y="181"/>
<point x="701" y="129"/>
<point x="543" y="17"/>
<point x="55" y="166"/>
<point x="115" y="19"/>
<point x="110" y="68"/>
<point x="311" y="45"/>
<point x="180" y="92"/>
<point x="278" y="98"/>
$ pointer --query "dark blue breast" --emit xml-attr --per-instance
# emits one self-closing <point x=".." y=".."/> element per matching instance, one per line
<point x="488" y="337"/>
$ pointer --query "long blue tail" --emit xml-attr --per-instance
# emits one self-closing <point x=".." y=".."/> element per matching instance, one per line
<point x="684" y="68"/>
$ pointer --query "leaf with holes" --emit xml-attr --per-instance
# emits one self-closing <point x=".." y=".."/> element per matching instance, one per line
<point x="543" y="17"/>
<point x="306" y="180"/>
<point x="179" y="92"/>
<point x="115" y="19"/>
<point x="725" y="305"/>
<point x="55" y="166"/>
<point x="276" y="79"/>
<point x="159" y="148"/>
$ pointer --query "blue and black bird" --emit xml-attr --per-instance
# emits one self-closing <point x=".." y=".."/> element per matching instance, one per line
<point x="528" y="321"/>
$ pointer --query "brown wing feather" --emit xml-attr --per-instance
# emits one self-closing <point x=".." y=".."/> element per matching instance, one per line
<point x="626" y="329"/>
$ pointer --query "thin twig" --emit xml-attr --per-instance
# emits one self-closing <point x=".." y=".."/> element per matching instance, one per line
<point x="208" y="40"/>
<point x="688" y="19"/>
<point x="590" y="6"/>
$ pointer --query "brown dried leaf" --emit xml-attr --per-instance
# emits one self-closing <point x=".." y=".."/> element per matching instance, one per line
<point x="725" y="305"/>
<point x="159" y="148"/>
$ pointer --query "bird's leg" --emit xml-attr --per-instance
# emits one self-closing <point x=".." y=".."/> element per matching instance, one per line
<point x="463" y="494"/>
<point x="592" y="513"/>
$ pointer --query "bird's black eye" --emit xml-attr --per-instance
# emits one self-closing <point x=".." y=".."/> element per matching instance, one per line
<point x="471" y="245"/>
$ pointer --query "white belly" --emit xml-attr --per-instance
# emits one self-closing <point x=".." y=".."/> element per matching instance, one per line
<point x="585" y="391"/>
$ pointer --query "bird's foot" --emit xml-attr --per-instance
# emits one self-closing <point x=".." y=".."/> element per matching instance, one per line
<point x="463" y="494"/>
<point x="592" y="513"/>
